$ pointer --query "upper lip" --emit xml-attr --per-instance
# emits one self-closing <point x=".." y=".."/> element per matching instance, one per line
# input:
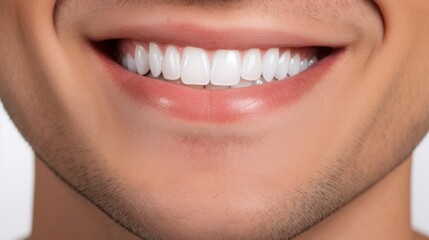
<point x="214" y="38"/>
<point x="208" y="36"/>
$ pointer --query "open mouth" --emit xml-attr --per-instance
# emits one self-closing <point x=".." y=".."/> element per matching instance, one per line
<point x="208" y="84"/>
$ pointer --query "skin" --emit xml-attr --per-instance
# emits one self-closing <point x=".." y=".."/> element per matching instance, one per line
<point x="320" y="168"/>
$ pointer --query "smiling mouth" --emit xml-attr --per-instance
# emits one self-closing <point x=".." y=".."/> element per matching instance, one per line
<point x="215" y="69"/>
<point x="212" y="84"/>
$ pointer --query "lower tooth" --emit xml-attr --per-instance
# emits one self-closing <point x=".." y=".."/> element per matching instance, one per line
<point x="259" y="82"/>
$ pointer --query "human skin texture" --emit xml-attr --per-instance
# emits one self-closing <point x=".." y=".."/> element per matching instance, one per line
<point x="333" y="163"/>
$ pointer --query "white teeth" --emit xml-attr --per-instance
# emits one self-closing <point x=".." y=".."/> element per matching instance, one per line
<point x="195" y="66"/>
<point x="131" y="64"/>
<point x="226" y="68"/>
<point x="155" y="59"/>
<point x="304" y="65"/>
<point x="295" y="65"/>
<point x="142" y="60"/>
<point x="124" y="61"/>
<point x="283" y="66"/>
<point x="312" y="61"/>
<point x="252" y="65"/>
<point x="271" y="58"/>
<point x="259" y="82"/>
<point x="171" y="64"/>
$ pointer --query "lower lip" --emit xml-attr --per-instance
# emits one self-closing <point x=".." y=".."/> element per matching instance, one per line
<point x="217" y="106"/>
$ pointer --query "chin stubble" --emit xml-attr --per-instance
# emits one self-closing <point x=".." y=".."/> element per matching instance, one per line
<point x="300" y="208"/>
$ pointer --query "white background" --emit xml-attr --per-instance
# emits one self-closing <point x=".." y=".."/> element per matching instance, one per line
<point x="17" y="178"/>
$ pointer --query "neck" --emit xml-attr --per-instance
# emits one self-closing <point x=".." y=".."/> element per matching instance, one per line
<point x="383" y="212"/>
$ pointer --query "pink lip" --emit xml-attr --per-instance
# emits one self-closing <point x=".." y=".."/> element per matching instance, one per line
<point x="213" y="38"/>
<point x="217" y="106"/>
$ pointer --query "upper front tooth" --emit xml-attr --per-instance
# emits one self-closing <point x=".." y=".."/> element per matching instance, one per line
<point x="195" y="66"/>
<point x="271" y="59"/>
<point x="295" y="65"/>
<point x="252" y="65"/>
<point x="283" y="66"/>
<point x="155" y="59"/>
<point x="226" y="68"/>
<point x="142" y="60"/>
<point x="171" y="64"/>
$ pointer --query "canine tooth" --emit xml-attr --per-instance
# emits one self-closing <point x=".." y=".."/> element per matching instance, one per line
<point x="171" y="64"/>
<point x="142" y="60"/>
<point x="295" y="65"/>
<point x="252" y="65"/>
<point x="131" y="64"/>
<point x="283" y="66"/>
<point x="304" y="65"/>
<point x="226" y="68"/>
<point x="270" y="61"/>
<point x="312" y="61"/>
<point x="195" y="66"/>
<point x="155" y="59"/>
